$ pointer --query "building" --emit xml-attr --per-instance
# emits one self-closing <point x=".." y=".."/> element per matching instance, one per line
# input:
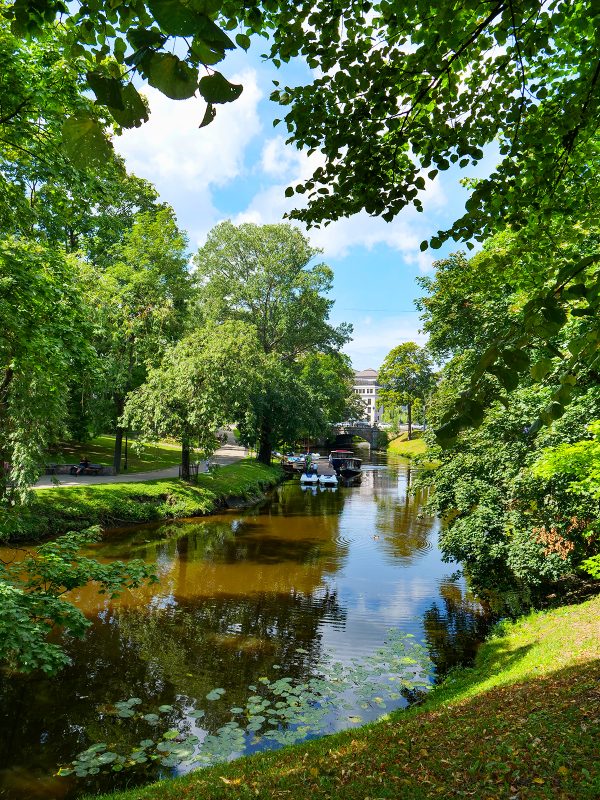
<point x="367" y="388"/>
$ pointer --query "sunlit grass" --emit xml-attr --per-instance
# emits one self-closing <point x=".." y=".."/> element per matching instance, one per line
<point x="100" y="451"/>
<point x="401" y="446"/>
<point x="63" y="508"/>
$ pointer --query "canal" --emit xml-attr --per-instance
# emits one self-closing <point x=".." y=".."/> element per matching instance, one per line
<point x="243" y="597"/>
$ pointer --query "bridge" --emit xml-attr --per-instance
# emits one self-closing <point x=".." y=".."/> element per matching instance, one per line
<point x="344" y="432"/>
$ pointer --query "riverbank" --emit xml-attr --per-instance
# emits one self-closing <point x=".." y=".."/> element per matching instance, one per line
<point x="61" y="509"/>
<point x="523" y="723"/>
<point x="402" y="446"/>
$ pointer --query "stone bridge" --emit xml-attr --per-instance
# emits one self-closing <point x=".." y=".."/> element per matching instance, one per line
<point x="344" y="433"/>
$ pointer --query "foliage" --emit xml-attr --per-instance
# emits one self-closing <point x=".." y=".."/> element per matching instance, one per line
<point x="534" y="681"/>
<point x="140" y="300"/>
<point x="434" y="91"/>
<point x="406" y="377"/>
<point x="279" y="712"/>
<point x="579" y="464"/>
<point x="42" y="340"/>
<point x="60" y="509"/>
<point x="514" y="533"/>
<point x="262" y="276"/>
<point x="107" y="46"/>
<point x="201" y="384"/>
<point x="33" y="598"/>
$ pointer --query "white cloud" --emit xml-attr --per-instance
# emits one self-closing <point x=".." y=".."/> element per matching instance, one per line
<point x="404" y="234"/>
<point x="186" y="163"/>
<point x="373" y="340"/>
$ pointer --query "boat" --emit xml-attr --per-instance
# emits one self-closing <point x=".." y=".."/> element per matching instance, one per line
<point x="328" y="479"/>
<point x="310" y="477"/>
<point x="345" y="463"/>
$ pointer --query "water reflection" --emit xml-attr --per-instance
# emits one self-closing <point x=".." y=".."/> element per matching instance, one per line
<point x="266" y="592"/>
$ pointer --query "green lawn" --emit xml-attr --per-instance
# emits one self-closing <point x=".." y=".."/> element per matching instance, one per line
<point x="60" y="509"/>
<point x="100" y="451"/>
<point x="408" y="449"/>
<point x="523" y="723"/>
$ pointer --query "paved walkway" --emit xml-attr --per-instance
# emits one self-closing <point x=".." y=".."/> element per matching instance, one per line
<point x="228" y="454"/>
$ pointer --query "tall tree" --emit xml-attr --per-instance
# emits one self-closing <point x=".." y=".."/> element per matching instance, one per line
<point x="141" y="300"/>
<point x="202" y="383"/>
<point x="44" y="338"/>
<point x="406" y="377"/>
<point x="263" y="276"/>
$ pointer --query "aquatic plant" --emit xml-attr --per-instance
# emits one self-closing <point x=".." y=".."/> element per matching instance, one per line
<point x="278" y="711"/>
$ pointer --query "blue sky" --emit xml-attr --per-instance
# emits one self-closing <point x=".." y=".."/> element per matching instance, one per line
<point x="238" y="168"/>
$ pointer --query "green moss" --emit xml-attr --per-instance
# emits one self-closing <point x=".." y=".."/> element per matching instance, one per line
<point x="524" y="722"/>
<point x="58" y="510"/>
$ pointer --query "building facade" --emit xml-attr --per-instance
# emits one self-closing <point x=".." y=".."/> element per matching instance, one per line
<point x="367" y="388"/>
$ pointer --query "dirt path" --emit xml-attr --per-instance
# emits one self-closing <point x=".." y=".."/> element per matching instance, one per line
<point x="227" y="454"/>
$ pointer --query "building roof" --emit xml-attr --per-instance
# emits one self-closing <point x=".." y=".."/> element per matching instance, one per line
<point x="365" y="373"/>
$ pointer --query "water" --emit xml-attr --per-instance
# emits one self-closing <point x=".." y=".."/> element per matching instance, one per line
<point x="303" y="576"/>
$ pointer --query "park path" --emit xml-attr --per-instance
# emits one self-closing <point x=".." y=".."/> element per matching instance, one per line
<point x="228" y="454"/>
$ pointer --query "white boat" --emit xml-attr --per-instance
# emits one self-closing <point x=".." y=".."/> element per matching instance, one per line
<point x="328" y="480"/>
<point x="310" y="478"/>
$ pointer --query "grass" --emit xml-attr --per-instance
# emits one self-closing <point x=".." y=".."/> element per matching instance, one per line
<point x="61" y="509"/>
<point x="100" y="451"/>
<point x="523" y="723"/>
<point x="401" y="446"/>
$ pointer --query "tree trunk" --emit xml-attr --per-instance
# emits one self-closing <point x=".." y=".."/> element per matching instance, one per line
<point x="119" y="431"/>
<point x="118" y="449"/>
<point x="185" y="458"/>
<point x="265" y="446"/>
<point x="409" y="411"/>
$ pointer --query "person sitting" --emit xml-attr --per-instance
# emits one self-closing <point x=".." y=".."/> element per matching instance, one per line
<point x="83" y="465"/>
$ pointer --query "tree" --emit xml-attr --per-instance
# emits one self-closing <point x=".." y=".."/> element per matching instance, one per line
<point x="43" y="341"/>
<point x="141" y="299"/>
<point x="32" y="602"/>
<point x="201" y="384"/>
<point x="262" y="276"/>
<point x="515" y="529"/>
<point x="406" y="376"/>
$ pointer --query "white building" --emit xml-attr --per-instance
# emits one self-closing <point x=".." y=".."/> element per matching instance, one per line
<point x="367" y="388"/>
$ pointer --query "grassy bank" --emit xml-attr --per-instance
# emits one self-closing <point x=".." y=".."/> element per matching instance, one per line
<point x="401" y="446"/>
<point x="100" y="451"/>
<point x="59" y="510"/>
<point x="523" y="723"/>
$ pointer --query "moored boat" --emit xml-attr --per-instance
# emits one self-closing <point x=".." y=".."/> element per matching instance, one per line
<point x="310" y="477"/>
<point x="328" y="479"/>
<point x="345" y="463"/>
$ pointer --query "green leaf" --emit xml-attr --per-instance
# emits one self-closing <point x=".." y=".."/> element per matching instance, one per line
<point x="84" y="142"/>
<point x="209" y="115"/>
<point x="216" y="88"/>
<point x="171" y="76"/>
<point x="107" y="90"/>
<point x="172" y="734"/>
<point x="541" y="368"/>
<point x="134" y="110"/>
<point x="174" y="17"/>
<point x="243" y="41"/>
